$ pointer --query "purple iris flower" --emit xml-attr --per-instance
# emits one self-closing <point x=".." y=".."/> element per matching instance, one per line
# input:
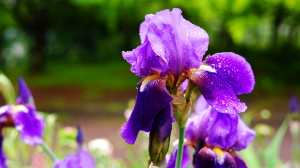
<point x="23" y="117"/>
<point x="172" y="51"/>
<point x="82" y="159"/>
<point x="215" y="136"/>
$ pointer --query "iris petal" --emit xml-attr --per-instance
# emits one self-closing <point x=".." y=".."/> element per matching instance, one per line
<point x="25" y="96"/>
<point x="2" y="155"/>
<point x="185" y="158"/>
<point x="29" y="124"/>
<point x="80" y="160"/>
<point x="245" y="135"/>
<point x="152" y="98"/>
<point x="234" y="69"/>
<point x="170" y="40"/>
<point x="224" y="76"/>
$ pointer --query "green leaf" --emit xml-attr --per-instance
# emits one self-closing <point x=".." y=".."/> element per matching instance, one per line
<point x="250" y="157"/>
<point x="7" y="89"/>
<point x="271" y="157"/>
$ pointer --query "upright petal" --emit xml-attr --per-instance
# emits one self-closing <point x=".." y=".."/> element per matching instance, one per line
<point x="152" y="98"/>
<point x="29" y="124"/>
<point x="82" y="159"/>
<point x="25" y="96"/>
<point x="245" y="135"/>
<point x="2" y="155"/>
<point x="198" y="125"/>
<point x="223" y="132"/>
<point x="221" y="77"/>
<point x="185" y="158"/>
<point x="170" y="40"/>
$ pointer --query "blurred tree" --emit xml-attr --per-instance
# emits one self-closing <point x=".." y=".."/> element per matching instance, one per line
<point x="266" y="32"/>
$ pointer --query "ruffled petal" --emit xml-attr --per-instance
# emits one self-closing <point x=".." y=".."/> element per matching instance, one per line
<point x="198" y="125"/>
<point x="185" y="158"/>
<point x="245" y="135"/>
<point x="29" y="124"/>
<point x="25" y="96"/>
<point x="152" y="98"/>
<point x="170" y="40"/>
<point x="80" y="160"/>
<point x="2" y="155"/>
<point x="223" y="132"/>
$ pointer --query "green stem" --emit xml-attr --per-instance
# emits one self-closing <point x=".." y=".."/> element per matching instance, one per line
<point x="295" y="137"/>
<point x="48" y="151"/>
<point x="180" y="147"/>
<point x="189" y="91"/>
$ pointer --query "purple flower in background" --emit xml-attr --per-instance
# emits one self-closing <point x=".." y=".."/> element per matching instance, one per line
<point x="23" y="117"/>
<point x="171" y="51"/>
<point x="294" y="104"/>
<point x="215" y="136"/>
<point x="82" y="159"/>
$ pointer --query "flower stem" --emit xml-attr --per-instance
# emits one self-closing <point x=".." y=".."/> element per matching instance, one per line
<point x="48" y="151"/>
<point x="180" y="147"/>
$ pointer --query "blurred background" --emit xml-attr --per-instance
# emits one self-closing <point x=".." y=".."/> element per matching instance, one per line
<point x="69" y="53"/>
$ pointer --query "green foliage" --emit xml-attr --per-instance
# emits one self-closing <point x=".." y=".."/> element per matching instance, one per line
<point x="95" y="32"/>
<point x="7" y="89"/>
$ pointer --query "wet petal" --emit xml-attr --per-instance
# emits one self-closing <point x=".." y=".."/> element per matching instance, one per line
<point x="217" y="92"/>
<point x="152" y="98"/>
<point x="170" y="40"/>
<point x="2" y="155"/>
<point x="80" y="160"/>
<point x="185" y="158"/>
<point x="25" y="96"/>
<point x="29" y="124"/>
<point x="245" y="135"/>
<point x="223" y="76"/>
<point x="234" y="69"/>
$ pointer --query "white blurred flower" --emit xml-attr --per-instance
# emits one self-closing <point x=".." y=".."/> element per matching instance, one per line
<point x="102" y="146"/>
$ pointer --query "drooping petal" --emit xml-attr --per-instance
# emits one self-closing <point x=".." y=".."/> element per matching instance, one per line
<point x="221" y="77"/>
<point x="152" y="98"/>
<point x="245" y="135"/>
<point x="185" y="158"/>
<point x="25" y="96"/>
<point x="82" y="159"/>
<point x="2" y="155"/>
<point x="213" y="158"/>
<point x="239" y="161"/>
<point x="170" y="40"/>
<point x="29" y="124"/>
<point x="234" y="69"/>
